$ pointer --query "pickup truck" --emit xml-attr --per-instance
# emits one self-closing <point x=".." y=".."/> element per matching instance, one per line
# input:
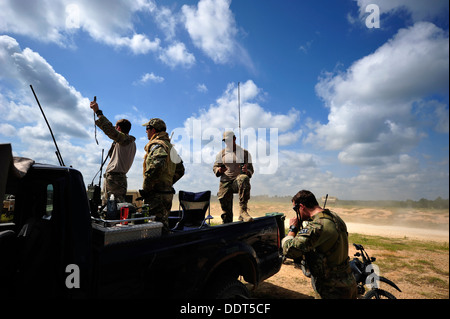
<point x="54" y="248"/>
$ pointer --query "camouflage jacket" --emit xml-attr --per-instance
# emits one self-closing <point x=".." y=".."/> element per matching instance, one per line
<point x="162" y="165"/>
<point x="323" y="243"/>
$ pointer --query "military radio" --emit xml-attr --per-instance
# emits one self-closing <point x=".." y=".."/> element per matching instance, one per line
<point x="94" y="192"/>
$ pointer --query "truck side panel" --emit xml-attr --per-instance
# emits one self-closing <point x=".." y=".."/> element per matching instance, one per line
<point x="182" y="264"/>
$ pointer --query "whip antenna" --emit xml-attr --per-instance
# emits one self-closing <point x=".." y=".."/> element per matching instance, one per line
<point x="239" y="111"/>
<point x="95" y="126"/>
<point x="58" y="153"/>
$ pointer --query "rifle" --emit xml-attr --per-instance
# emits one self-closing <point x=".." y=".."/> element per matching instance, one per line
<point x="58" y="153"/>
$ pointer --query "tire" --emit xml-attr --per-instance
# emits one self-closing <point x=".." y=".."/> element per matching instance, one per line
<point x="228" y="288"/>
<point x="378" y="294"/>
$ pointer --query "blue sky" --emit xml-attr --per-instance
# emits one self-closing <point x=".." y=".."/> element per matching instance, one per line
<point x="329" y="101"/>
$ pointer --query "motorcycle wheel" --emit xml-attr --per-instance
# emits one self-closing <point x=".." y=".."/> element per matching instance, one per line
<point x="378" y="294"/>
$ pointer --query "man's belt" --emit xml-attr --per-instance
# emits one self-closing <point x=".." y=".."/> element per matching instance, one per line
<point x="113" y="173"/>
<point x="144" y="193"/>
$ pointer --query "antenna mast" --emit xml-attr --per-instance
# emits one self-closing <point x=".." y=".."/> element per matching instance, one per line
<point x="58" y="153"/>
<point x="239" y="111"/>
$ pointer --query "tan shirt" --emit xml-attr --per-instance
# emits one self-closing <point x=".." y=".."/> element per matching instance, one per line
<point x="122" y="158"/>
<point x="124" y="151"/>
<point x="233" y="161"/>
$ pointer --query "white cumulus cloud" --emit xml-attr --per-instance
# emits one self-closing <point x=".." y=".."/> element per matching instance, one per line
<point x="212" y="27"/>
<point x="177" y="55"/>
<point x="56" y="21"/>
<point x="372" y="104"/>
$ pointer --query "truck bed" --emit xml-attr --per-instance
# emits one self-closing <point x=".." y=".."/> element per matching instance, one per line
<point x="187" y="259"/>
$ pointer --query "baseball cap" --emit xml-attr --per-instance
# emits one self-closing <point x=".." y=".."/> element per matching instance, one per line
<point x="157" y="124"/>
<point x="228" y="136"/>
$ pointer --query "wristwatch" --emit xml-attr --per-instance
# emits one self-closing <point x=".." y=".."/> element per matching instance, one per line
<point x="293" y="229"/>
<point x="99" y="112"/>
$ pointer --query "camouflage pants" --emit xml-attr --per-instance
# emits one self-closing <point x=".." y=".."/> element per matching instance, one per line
<point x="341" y="287"/>
<point x="160" y="206"/>
<point x="241" y="186"/>
<point x="114" y="183"/>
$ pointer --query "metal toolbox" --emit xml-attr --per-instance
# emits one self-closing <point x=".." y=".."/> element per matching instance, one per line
<point x="125" y="233"/>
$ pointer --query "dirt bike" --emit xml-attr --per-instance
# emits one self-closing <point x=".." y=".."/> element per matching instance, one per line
<point x="367" y="274"/>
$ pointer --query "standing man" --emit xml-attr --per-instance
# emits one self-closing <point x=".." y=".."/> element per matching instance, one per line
<point x="163" y="167"/>
<point x="234" y="167"/>
<point x="122" y="154"/>
<point x="323" y="245"/>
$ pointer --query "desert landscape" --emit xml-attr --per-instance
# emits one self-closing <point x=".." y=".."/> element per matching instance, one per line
<point x="410" y="244"/>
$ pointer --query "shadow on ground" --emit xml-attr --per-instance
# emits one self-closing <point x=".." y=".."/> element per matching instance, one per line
<point x="268" y="290"/>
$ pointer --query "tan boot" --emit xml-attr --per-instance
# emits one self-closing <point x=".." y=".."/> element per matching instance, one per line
<point x="244" y="216"/>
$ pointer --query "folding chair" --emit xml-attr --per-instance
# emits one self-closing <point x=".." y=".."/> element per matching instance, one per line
<point x="193" y="210"/>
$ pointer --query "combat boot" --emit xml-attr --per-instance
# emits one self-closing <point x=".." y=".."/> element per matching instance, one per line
<point x="244" y="215"/>
<point x="227" y="218"/>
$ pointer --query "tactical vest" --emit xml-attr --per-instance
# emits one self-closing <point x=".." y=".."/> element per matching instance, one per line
<point x="319" y="262"/>
<point x="166" y="179"/>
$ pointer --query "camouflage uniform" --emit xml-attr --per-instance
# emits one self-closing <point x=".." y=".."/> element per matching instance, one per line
<point x="162" y="168"/>
<point x="122" y="154"/>
<point x="323" y="244"/>
<point x="234" y="181"/>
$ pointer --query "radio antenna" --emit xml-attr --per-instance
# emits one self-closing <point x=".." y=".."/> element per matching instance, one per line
<point x="95" y="126"/>
<point x="58" y="153"/>
<point x="239" y="111"/>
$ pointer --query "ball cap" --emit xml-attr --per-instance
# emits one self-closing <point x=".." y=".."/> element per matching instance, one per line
<point x="156" y="123"/>
<point x="228" y="136"/>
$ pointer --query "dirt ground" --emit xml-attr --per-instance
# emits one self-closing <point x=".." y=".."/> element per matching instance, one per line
<point x="421" y="273"/>
<point x="290" y="283"/>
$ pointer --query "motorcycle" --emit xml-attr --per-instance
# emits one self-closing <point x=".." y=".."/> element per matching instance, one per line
<point x="367" y="275"/>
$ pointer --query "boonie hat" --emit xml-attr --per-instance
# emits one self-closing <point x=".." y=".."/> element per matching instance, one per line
<point x="157" y="124"/>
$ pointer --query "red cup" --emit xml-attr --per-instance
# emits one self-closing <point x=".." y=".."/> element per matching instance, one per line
<point x="124" y="214"/>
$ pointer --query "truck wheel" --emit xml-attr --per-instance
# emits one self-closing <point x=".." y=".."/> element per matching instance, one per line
<point x="228" y="288"/>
